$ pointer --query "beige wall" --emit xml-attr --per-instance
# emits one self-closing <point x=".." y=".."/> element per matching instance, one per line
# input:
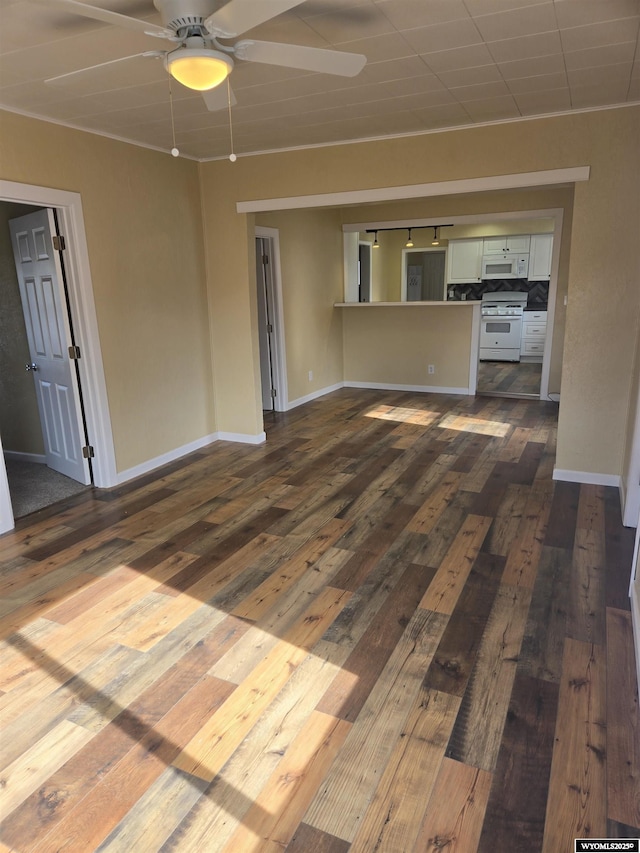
<point x="143" y="217"/>
<point x="393" y="345"/>
<point x="311" y="255"/>
<point x="19" y="417"/>
<point x="603" y="275"/>
<point x="143" y="223"/>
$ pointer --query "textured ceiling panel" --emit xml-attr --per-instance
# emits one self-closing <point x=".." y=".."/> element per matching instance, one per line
<point x="431" y="64"/>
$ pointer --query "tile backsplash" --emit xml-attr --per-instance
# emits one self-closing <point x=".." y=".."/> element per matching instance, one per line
<point x="538" y="291"/>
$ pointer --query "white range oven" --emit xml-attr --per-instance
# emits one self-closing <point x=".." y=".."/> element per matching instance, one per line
<point x="501" y="326"/>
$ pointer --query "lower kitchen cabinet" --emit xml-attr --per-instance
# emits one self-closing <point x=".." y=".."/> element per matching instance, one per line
<point x="534" y="334"/>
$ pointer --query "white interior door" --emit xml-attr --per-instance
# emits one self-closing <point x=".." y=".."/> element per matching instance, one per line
<point x="265" y="323"/>
<point x="6" y="510"/>
<point x="49" y="336"/>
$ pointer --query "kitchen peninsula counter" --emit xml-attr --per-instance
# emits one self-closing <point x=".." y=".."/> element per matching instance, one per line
<point x="430" y="304"/>
<point x="424" y="346"/>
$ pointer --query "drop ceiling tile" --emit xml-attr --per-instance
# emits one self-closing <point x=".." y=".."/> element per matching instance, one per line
<point x="61" y="57"/>
<point x="443" y="116"/>
<point x="443" y="36"/>
<point x="28" y="96"/>
<point x="480" y="91"/>
<point x="572" y="14"/>
<point x="635" y="71"/>
<point x="602" y="75"/>
<point x="393" y="69"/>
<point x="380" y="48"/>
<point x="634" y="90"/>
<point x="599" y="35"/>
<point x="141" y="70"/>
<point x="539" y="83"/>
<point x="471" y="76"/>
<point x="290" y="30"/>
<point x="492" y="108"/>
<point x="515" y="22"/>
<point x="532" y="67"/>
<point x="406" y="14"/>
<point x="412" y="85"/>
<point x="539" y="103"/>
<point x="525" y="47"/>
<point x="461" y="57"/>
<point x="24" y="25"/>
<point x="352" y="9"/>
<point x="486" y="7"/>
<point x="420" y="100"/>
<point x="254" y="73"/>
<point x="337" y="28"/>
<point x="595" y="96"/>
<point x="612" y="54"/>
<point x="297" y="87"/>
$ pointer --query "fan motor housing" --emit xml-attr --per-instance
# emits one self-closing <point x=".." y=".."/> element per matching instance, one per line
<point x="180" y="14"/>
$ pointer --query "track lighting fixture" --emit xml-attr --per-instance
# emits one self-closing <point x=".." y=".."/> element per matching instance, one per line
<point x="409" y="244"/>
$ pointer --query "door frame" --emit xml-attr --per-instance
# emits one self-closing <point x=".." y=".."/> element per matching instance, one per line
<point x="51" y="266"/>
<point x="278" y="352"/>
<point x="555" y="213"/>
<point x="83" y="314"/>
<point x="403" y="271"/>
<point x="365" y="244"/>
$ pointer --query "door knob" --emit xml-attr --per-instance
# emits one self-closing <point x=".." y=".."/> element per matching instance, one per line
<point x="32" y="366"/>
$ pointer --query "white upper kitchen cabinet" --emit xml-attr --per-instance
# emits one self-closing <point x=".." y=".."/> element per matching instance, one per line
<point x="464" y="261"/>
<point x="540" y="257"/>
<point x="515" y="245"/>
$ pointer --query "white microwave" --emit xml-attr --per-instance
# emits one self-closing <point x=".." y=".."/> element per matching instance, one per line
<point x="505" y="266"/>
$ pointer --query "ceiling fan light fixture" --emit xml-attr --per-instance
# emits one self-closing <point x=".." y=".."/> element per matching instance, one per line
<point x="198" y="68"/>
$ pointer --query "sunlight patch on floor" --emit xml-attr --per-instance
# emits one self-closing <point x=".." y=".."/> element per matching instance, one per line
<point x="402" y="415"/>
<point x="477" y="425"/>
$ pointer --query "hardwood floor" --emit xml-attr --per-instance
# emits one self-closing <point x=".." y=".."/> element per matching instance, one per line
<point x="505" y="377"/>
<point x="387" y="629"/>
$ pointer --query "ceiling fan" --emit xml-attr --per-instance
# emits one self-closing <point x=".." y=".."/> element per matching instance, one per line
<point x="199" y="29"/>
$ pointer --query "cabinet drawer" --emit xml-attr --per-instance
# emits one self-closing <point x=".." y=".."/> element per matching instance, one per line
<point x="532" y="347"/>
<point x="534" y="330"/>
<point x="538" y="316"/>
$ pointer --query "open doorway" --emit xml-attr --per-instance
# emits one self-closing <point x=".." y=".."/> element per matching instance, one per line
<point x="42" y="422"/>
<point x="273" y="379"/>
<point x="81" y="307"/>
<point x="423" y="275"/>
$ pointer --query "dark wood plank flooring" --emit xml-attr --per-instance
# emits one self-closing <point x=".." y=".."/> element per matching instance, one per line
<point x="387" y="629"/>
<point x="513" y="378"/>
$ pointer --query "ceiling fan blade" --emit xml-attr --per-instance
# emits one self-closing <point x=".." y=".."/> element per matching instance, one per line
<point x="218" y="98"/>
<point x="76" y="76"/>
<point x="239" y="16"/>
<point x="297" y="56"/>
<point x="106" y="16"/>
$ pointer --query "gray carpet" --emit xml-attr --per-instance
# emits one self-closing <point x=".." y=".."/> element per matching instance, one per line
<point x="33" y="486"/>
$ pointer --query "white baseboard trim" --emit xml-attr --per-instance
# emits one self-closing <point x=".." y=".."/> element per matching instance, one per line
<point x="179" y="452"/>
<point x="375" y="386"/>
<point x="300" y="401"/>
<point x="242" y="437"/>
<point x="425" y="389"/>
<point x="635" y="624"/>
<point x="588" y="477"/>
<point x="40" y="458"/>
